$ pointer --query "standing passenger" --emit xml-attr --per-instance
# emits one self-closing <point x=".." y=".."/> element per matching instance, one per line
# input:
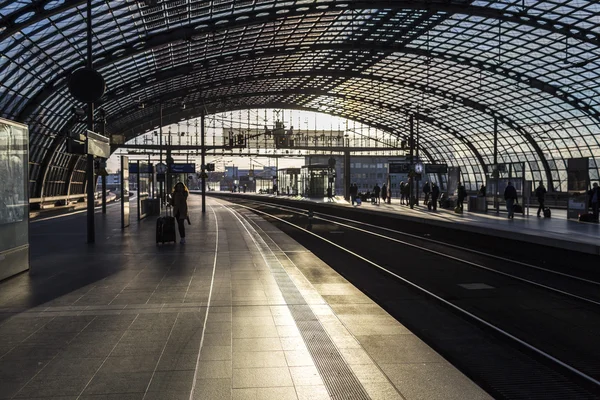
<point x="510" y="195"/>
<point x="435" y="193"/>
<point x="376" y="191"/>
<point x="426" y="191"/>
<point x="540" y="193"/>
<point x="402" y="185"/>
<point x="353" y="192"/>
<point x="462" y="193"/>
<point x="384" y="192"/>
<point x="595" y="200"/>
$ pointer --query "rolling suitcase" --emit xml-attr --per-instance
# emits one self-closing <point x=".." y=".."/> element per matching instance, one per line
<point x="587" y="218"/>
<point x="517" y="208"/>
<point x="547" y="213"/>
<point x="165" y="227"/>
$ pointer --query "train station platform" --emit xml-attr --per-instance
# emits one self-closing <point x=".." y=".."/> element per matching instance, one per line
<point x="241" y="311"/>
<point x="557" y="231"/>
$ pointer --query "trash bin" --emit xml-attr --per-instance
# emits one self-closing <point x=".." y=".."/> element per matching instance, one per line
<point x="477" y="204"/>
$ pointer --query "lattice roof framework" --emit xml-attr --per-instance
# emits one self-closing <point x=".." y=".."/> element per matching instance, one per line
<point x="456" y="65"/>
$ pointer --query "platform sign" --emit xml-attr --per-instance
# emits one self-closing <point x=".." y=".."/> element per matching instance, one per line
<point x="399" y="168"/>
<point x="98" y="145"/>
<point x="188" y="168"/>
<point x="436" y="168"/>
<point x="143" y="168"/>
<point x="124" y="192"/>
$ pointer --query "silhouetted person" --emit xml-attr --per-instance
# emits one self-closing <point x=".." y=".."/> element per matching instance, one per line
<point x="426" y="191"/>
<point x="510" y="195"/>
<point x="595" y="200"/>
<point x="384" y="192"/>
<point x="540" y="194"/>
<point x="462" y="193"/>
<point x="482" y="191"/>
<point x="376" y="192"/>
<point x="435" y="194"/>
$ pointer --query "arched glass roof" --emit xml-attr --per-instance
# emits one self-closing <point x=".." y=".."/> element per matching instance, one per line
<point x="533" y="65"/>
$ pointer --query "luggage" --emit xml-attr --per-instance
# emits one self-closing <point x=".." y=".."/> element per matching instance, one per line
<point x="547" y="212"/>
<point x="587" y="218"/>
<point x="517" y="208"/>
<point x="358" y="201"/>
<point x="429" y="205"/>
<point x="165" y="228"/>
<point x="458" y="210"/>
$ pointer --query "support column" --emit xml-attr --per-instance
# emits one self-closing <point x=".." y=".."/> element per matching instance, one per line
<point x="91" y="229"/>
<point x="347" y="175"/>
<point x="495" y="171"/>
<point x="412" y="161"/>
<point x="161" y="185"/>
<point x="103" y="194"/>
<point x="202" y="160"/>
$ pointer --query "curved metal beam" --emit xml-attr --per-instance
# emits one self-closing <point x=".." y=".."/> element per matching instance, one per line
<point x="314" y="92"/>
<point x="468" y="103"/>
<point x="186" y="69"/>
<point x="194" y="112"/>
<point x="230" y="20"/>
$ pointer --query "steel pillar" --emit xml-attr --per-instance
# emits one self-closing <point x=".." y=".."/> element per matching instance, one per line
<point x="347" y="175"/>
<point x="91" y="229"/>
<point x="203" y="161"/>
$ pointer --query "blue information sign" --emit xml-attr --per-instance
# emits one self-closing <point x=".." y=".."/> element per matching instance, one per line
<point x="145" y="168"/>
<point x="188" y="168"/>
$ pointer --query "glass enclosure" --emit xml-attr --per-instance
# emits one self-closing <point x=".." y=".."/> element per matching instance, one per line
<point x="14" y="200"/>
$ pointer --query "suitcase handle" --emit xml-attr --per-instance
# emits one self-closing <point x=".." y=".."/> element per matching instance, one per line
<point x="167" y="208"/>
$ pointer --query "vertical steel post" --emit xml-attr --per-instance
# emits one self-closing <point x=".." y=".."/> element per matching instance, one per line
<point x="161" y="185"/>
<point x="103" y="194"/>
<point x="91" y="230"/>
<point x="103" y="178"/>
<point x="347" y="181"/>
<point x="417" y="158"/>
<point x="412" y="161"/>
<point x="495" y="170"/>
<point x="203" y="160"/>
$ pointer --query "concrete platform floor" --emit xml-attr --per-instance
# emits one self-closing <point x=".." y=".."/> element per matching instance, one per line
<point x="239" y="312"/>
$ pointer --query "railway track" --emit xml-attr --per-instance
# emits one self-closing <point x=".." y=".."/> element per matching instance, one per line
<point x="553" y="372"/>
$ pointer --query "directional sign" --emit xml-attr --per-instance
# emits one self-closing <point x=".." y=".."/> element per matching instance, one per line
<point x="399" y="168"/>
<point x="183" y="168"/>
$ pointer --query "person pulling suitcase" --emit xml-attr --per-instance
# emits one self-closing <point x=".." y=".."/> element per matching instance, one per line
<point x="180" y="208"/>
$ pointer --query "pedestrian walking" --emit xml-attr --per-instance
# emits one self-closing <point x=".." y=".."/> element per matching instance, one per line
<point x="180" y="208"/>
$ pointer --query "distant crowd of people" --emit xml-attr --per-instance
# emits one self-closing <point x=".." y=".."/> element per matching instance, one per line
<point x="432" y="196"/>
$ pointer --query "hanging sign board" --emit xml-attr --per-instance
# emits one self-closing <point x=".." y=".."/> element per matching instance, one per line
<point x="436" y="168"/>
<point x="98" y="145"/>
<point x="396" y="168"/>
<point x="189" y="168"/>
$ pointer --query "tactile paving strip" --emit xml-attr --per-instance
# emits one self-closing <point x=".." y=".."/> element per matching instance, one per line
<point x="340" y="381"/>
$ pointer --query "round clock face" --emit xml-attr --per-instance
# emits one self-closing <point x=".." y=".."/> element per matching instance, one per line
<point x="161" y="168"/>
<point x="419" y="168"/>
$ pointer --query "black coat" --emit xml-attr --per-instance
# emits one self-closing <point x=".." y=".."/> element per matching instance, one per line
<point x="510" y="193"/>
